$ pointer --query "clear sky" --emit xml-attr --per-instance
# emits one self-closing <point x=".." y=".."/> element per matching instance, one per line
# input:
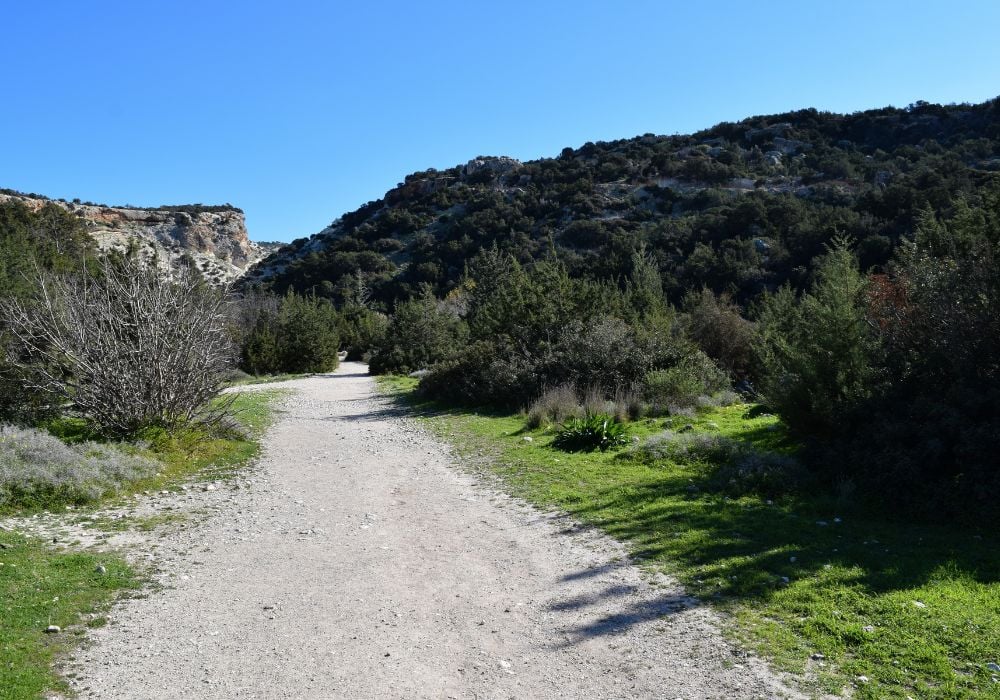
<point x="300" y="111"/>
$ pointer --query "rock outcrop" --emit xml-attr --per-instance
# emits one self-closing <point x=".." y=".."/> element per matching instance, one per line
<point x="213" y="238"/>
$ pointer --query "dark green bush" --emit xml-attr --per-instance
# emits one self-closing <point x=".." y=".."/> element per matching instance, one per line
<point x="818" y="354"/>
<point x="299" y="335"/>
<point x="483" y="373"/>
<point x="683" y="384"/>
<point x="421" y="333"/>
<point x="361" y="330"/>
<point x="593" y="432"/>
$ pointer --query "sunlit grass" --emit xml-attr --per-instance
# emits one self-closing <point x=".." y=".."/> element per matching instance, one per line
<point x="40" y="587"/>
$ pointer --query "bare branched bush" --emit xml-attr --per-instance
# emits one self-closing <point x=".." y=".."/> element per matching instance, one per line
<point x="554" y="406"/>
<point x="127" y="347"/>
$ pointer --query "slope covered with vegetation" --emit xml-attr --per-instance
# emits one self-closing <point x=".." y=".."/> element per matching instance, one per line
<point x="740" y="208"/>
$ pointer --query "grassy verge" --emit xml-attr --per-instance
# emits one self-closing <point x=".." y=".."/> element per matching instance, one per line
<point x="821" y="587"/>
<point x="38" y="588"/>
<point x="180" y="454"/>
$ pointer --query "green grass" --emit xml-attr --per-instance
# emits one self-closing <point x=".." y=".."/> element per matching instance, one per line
<point x="186" y="453"/>
<point x="853" y="587"/>
<point x="41" y="587"/>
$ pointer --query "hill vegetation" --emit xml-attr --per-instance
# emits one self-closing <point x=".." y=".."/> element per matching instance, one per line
<point x="739" y="208"/>
<point x="838" y="269"/>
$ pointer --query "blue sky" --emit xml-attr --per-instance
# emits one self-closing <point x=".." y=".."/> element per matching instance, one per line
<point x="300" y="111"/>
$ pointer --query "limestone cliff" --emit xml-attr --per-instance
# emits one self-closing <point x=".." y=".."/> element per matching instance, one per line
<point x="214" y="238"/>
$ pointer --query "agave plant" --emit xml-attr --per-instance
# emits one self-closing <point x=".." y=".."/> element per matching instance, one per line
<point x="594" y="432"/>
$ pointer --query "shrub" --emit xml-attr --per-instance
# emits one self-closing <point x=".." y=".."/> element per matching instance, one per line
<point x="716" y="326"/>
<point x="681" y="385"/>
<point x="127" y="346"/>
<point x="593" y="432"/>
<point x="421" y="333"/>
<point x="484" y="372"/>
<point x="818" y="353"/>
<point x="732" y="466"/>
<point x="361" y="330"/>
<point x="294" y="335"/>
<point x="38" y="470"/>
<point x="688" y="448"/>
<point x="610" y="356"/>
<point x="554" y="406"/>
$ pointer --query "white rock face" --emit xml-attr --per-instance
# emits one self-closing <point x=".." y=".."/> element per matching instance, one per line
<point x="216" y="240"/>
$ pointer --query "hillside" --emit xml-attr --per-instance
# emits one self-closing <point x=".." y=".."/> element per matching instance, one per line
<point x="213" y="237"/>
<point x="740" y="207"/>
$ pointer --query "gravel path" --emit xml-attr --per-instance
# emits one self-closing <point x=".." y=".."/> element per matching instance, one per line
<point x="362" y="562"/>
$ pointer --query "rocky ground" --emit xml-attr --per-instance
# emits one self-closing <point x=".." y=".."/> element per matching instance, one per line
<point x="358" y="559"/>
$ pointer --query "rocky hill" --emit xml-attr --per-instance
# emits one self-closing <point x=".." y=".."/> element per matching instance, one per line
<point x="740" y="207"/>
<point x="214" y="238"/>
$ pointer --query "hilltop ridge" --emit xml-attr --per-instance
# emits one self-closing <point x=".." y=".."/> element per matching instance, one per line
<point x="739" y="207"/>
<point x="213" y="237"/>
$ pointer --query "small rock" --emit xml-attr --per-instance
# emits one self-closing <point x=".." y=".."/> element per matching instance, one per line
<point x="792" y="559"/>
<point x="528" y="438"/>
<point x="822" y="523"/>
<point x="918" y="604"/>
<point x="817" y="656"/>
<point x="100" y="569"/>
<point x="862" y="679"/>
<point x="53" y="629"/>
<point x="208" y="487"/>
<point x="785" y="579"/>
<point x="993" y="667"/>
<point x="868" y="628"/>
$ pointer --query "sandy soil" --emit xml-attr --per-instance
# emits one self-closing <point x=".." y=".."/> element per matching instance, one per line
<point x="361" y="561"/>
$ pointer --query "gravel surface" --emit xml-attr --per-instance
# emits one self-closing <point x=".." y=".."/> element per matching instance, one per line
<point x="359" y="560"/>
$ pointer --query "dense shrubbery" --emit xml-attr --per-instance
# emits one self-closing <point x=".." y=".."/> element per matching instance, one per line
<point x="421" y="333"/>
<point x="293" y="334"/>
<point x="738" y="209"/>
<point x="894" y="380"/>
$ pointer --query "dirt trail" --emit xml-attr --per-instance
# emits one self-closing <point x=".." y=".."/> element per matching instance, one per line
<point x="363" y="563"/>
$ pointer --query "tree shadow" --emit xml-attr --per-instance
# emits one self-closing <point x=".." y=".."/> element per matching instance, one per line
<point x="625" y="614"/>
<point x="744" y="548"/>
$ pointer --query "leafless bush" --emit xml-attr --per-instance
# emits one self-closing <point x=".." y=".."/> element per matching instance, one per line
<point x="127" y="347"/>
<point x="554" y="406"/>
<point x="595" y="402"/>
<point x="629" y="405"/>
